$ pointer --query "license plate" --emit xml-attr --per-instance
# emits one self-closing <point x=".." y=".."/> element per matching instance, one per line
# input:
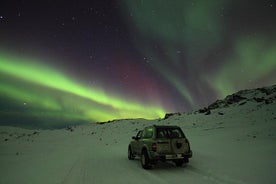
<point x="173" y="156"/>
<point x="169" y="156"/>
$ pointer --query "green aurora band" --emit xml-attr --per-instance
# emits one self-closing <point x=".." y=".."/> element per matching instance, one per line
<point x="175" y="24"/>
<point x="254" y="59"/>
<point x="187" y="32"/>
<point x="49" y="93"/>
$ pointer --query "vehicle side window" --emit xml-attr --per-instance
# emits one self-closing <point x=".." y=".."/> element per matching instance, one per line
<point x="161" y="133"/>
<point x="147" y="133"/>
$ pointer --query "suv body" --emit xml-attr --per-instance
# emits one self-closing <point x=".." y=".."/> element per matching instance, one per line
<point x="160" y="143"/>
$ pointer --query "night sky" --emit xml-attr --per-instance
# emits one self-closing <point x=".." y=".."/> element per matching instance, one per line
<point x="89" y="61"/>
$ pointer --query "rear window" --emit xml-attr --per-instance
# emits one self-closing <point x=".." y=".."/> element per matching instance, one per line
<point x="169" y="133"/>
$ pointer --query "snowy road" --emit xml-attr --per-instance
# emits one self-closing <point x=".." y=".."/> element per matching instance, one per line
<point x="111" y="165"/>
<point x="227" y="149"/>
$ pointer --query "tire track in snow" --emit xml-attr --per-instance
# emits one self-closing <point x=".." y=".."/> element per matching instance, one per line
<point x="77" y="172"/>
<point x="208" y="175"/>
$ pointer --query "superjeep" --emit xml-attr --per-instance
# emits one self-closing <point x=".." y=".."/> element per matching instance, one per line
<point x="160" y="143"/>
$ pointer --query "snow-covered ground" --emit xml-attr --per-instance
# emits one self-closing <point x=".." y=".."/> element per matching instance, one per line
<point x="232" y="142"/>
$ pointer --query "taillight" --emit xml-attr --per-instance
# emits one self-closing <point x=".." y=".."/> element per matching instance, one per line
<point x="154" y="147"/>
<point x="187" y="141"/>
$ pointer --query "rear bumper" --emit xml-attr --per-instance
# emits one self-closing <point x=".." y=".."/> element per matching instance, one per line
<point x="174" y="156"/>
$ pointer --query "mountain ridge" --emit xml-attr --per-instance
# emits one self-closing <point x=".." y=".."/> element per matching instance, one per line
<point x="263" y="95"/>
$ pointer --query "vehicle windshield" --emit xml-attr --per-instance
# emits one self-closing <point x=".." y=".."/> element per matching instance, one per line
<point x="169" y="133"/>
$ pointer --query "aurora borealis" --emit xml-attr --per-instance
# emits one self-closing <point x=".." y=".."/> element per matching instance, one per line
<point x="64" y="98"/>
<point x="87" y="61"/>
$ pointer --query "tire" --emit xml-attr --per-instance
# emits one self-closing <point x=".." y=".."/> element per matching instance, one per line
<point x="179" y="163"/>
<point x="130" y="154"/>
<point x="145" y="161"/>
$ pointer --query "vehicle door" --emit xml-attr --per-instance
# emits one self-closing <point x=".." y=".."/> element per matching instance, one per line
<point x="178" y="141"/>
<point x="146" y="138"/>
<point x="136" y="142"/>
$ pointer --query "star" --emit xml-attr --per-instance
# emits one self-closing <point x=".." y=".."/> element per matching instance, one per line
<point x="185" y="47"/>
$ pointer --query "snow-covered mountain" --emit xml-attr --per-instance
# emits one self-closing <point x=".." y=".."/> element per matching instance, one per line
<point x="233" y="141"/>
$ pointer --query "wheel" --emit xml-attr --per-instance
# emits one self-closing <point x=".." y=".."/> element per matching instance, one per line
<point x="179" y="163"/>
<point x="145" y="162"/>
<point x="130" y="154"/>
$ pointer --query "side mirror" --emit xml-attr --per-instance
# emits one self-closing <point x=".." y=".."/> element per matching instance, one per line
<point x="136" y="138"/>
